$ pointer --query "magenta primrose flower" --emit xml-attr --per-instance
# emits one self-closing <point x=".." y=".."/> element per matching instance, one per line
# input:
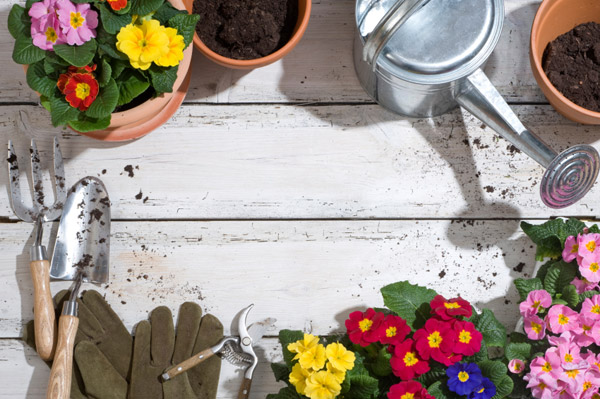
<point x="536" y="300"/>
<point x="77" y="21"/>
<point x="583" y="285"/>
<point x="571" y="249"/>
<point x="535" y="327"/>
<point x="45" y="27"/>
<point x="588" y="245"/>
<point x="589" y="268"/>
<point x="561" y="318"/>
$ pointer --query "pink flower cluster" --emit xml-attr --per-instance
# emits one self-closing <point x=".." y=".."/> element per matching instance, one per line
<point x="584" y="326"/>
<point x="61" y="21"/>
<point x="586" y="250"/>
<point x="564" y="372"/>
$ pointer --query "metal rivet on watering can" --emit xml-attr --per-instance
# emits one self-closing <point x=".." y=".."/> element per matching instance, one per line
<point x="422" y="58"/>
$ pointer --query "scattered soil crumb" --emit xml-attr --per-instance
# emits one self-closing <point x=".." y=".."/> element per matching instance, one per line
<point x="139" y="195"/>
<point x="519" y="268"/>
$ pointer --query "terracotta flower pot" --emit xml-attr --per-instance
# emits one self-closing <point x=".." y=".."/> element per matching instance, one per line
<point x="304" y="7"/>
<point x="141" y="120"/>
<point x="554" y="18"/>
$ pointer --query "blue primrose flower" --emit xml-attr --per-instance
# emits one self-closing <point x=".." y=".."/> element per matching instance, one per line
<point x="463" y="378"/>
<point x="485" y="390"/>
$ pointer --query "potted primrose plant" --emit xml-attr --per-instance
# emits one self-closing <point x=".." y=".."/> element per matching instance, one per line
<point x="109" y="69"/>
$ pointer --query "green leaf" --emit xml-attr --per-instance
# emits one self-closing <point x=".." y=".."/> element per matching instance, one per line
<point x="559" y="275"/>
<point x="106" y="101"/>
<point x="61" y="112"/>
<point x="541" y="274"/>
<point x="25" y="52"/>
<point x="517" y="338"/>
<point x="572" y="227"/>
<point x="107" y="43"/>
<point x="104" y="74"/>
<point x="38" y="79"/>
<point x="494" y="333"/>
<point x="594" y="229"/>
<point x="185" y="25"/>
<point x="525" y="286"/>
<point x="362" y="386"/>
<point x="281" y="372"/>
<point x="145" y="7"/>
<point x="163" y="79"/>
<point x="53" y="64"/>
<point x="569" y="294"/>
<point x="45" y="101"/>
<point x="112" y="22"/>
<point x="411" y="302"/>
<point x="440" y="390"/>
<point x="493" y="370"/>
<point x="381" y="365"/>
<point x="587" y="294"/>
<point x="286" y="337"/>
<point x="166" y="12"/>
<point x="521" y="351"/>
<point x="78" y="56"/>
<point x="19" y="24"/>
<point x="436" y="373"/>
<point x="504" y="387"/>
<point x="285" y="393"/>
<point x="479" y="356"/>
<point x="131" y="84"/>
<point x="86" y="124"/>
<point x="550" y="236"/>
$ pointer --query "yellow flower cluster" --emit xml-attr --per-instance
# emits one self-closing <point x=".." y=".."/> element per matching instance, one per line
<point x="150" y="42"/>
<point x="320" y="370"/>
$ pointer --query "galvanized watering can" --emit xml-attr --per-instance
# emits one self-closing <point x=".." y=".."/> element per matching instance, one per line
<point x="422" y="58"/>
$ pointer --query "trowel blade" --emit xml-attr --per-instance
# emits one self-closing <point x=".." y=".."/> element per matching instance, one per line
<point x="82" y="242"/>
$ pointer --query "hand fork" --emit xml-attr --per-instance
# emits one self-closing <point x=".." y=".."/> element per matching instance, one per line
<point x="43" y="309"/>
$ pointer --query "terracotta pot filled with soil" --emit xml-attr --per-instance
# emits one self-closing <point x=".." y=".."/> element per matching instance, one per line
<point x="565" y="57"/>
<point x="250" y="33"/>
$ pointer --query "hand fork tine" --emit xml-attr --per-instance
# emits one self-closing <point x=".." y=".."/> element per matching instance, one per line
<point x="44" y="323"/>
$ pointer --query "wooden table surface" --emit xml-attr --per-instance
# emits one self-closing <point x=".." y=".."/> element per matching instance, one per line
<point x="287" y="187"/>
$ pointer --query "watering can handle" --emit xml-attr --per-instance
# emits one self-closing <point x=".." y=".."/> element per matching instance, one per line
<point x="387" y="26"/>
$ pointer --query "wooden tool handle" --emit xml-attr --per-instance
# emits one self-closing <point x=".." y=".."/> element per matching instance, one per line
<point x="59" y="385"/>
<point x="43" y="309"/>
<point x="245" y="389"/>
<point x="187" y="364"/>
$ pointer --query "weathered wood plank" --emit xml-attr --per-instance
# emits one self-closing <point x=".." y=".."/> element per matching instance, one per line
<point x="24" y="376"/>
<point x="307" y="274"/>
<point x="320" y="69"/>
<point x="276" y="161"/>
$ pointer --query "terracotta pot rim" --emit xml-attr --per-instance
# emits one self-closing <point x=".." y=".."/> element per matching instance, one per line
<point x="536" y="62"/>
<point x="299" y="29"/>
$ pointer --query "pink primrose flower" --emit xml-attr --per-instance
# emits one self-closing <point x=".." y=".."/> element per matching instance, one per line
<point x="46" y="32"/>
<point x="539" y="388"/>
<point x="573" y="378"/>
<point x="591" y="307"/>
<point x="591" y="382"/>
<point x="589" y="268"/>
<point x="535" y="327"/>
<point x="592" y="359"/>
<point x="571" y="249"/>
<point x="570" y="357"/>
<point x="562" y="318"/>
<point x="588" y="245"/>
<point x="77" y="21"/>
<point x="516" y="366"/>
<point x="547" y="368"/>
<point x="583" y="285"/>
<point x="42" y="9"/>
<point x="587" y="332"/>
<point x="536" y="301"/>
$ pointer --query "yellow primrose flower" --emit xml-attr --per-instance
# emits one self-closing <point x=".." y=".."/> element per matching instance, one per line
<point x="143" y="43"/>
<point x="314" y="358"/>
<point x="176" y="46"/>
<point x="322" y="385"/>
<point x="340" y="357"/>
<point x="340" y="375"/>
<point x="299" y="347"/>
<point x="298" y="378"/>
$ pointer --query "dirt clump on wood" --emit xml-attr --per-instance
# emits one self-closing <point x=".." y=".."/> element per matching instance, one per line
<point x="245" y="29"/>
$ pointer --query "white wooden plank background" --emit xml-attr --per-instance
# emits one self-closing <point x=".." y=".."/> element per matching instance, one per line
<point x="287" y="187"/>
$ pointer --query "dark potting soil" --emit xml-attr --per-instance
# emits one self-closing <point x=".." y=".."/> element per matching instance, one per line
<point x="245" y="29"/>
<point x="139" y="100"/>
<point x="572" y="63"/>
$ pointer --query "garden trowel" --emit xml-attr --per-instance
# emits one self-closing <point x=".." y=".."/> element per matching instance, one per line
<point x="81" y="254"/>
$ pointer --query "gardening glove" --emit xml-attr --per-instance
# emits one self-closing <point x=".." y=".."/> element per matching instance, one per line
<point x="157" y="347"/>
<point x="98" y="370"/>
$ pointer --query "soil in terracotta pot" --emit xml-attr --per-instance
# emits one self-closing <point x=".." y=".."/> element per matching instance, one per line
<point x="572" y="63"/>
<point x="245" y="29"/>
<point x="139" y="100"/>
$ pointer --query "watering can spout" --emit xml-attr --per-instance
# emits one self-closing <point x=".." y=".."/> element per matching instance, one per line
<point x="569" y="175"/>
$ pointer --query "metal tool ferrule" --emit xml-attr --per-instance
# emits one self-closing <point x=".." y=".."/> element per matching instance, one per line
<point x="38" y="252"/>
<point x="70" y="308"/>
